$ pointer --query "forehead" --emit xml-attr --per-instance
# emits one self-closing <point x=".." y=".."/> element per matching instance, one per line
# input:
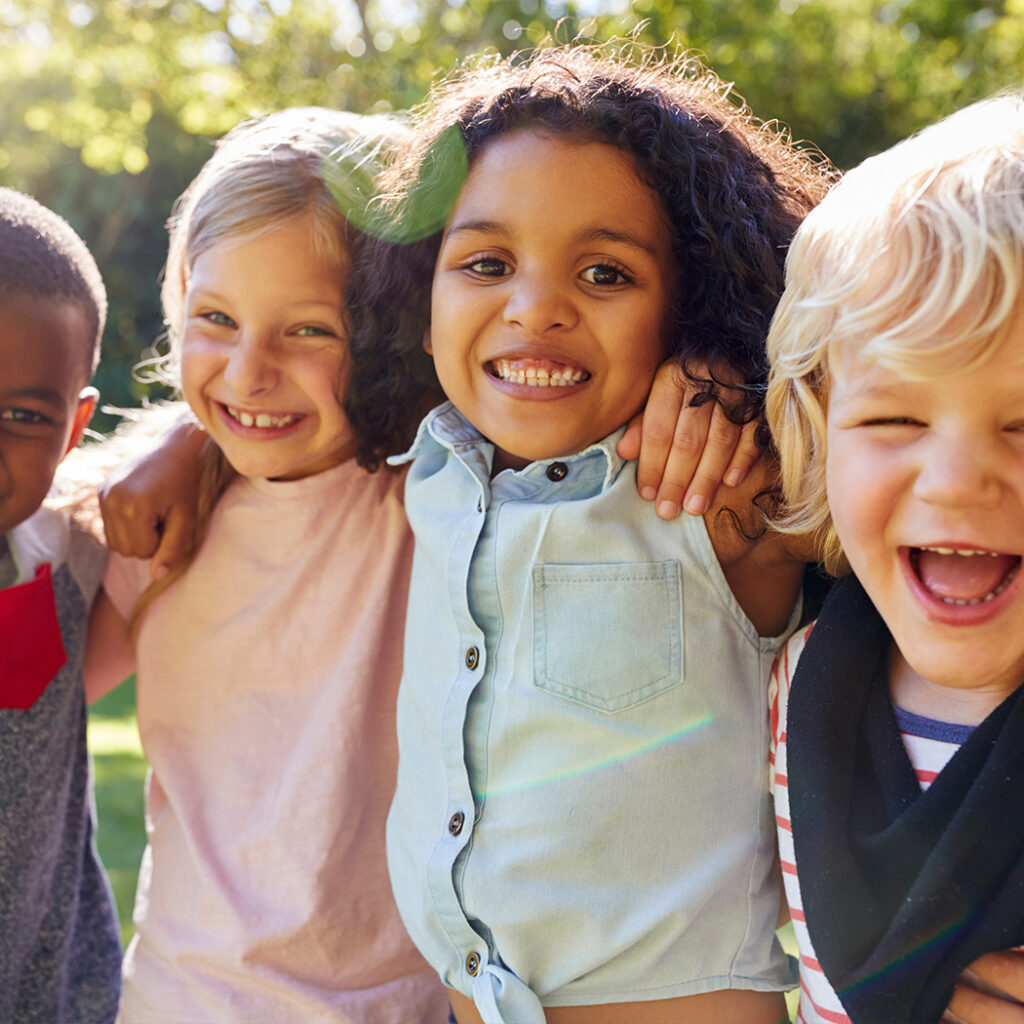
<point x="45" y="345"/>
<point x="573" y="184"/>
<point x="292" y="252"/>
<point x="904" y="350"/>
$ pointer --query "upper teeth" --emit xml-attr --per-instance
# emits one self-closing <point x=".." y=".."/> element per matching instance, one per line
<point x="538" y="377"/>
<point x="961" y="551"/>
<point x="262" y="419"/>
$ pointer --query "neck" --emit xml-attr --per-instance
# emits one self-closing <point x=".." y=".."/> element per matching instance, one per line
<point x="911" y="691"/>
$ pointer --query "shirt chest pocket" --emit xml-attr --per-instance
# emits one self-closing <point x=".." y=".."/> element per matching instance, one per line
<point x="607" y="636"/>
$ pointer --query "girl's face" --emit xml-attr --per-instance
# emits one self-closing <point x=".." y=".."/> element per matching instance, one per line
<point x="263" y="359"/>
<point x="550" y="295"/>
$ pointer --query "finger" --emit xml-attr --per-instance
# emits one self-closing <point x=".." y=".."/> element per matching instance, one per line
<point x="628" y="447"/>
<point x="722" y="438"/>
<point x="999" y="973"/>
<point x="744" y="457"/>
<point x="974" y="1007"/>
<point x="670" y="467"/>
<point x="175" y="543"/>
<point x="128" y="531"/>
<point x="665" y="407"/>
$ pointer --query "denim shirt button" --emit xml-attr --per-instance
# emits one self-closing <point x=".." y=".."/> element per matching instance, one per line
<point x="557" y="471"/>
<point x="455" y="823"/>
<point x="473" y="964"/>
<point x="472" y="658"/>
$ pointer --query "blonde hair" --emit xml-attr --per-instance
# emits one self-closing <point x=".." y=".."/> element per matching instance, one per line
<point x="263" y="173"/>
<point x="913" y="261"/>
<point x="268" y="171"/>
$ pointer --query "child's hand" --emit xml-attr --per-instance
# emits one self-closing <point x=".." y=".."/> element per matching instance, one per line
<point x="685" y="453"/>
<point x="990" y="991"/>
<point x="149" y="506"/>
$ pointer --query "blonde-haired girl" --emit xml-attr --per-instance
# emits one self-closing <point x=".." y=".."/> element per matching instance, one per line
<point x="266" y="676"/>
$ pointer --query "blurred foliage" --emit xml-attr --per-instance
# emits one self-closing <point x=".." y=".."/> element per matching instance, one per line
<point x="111" y="106"/>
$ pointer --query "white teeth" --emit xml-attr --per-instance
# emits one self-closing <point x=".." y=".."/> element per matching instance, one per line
<point x="965" y="552"/>
<point x="261" y="420"/>
<point x="538" y="377"/>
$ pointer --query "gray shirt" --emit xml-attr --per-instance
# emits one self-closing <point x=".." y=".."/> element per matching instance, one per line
<point x="59" y="947"/>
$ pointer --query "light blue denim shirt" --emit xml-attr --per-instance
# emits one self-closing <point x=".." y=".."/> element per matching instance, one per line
<point x="582" y="812"/>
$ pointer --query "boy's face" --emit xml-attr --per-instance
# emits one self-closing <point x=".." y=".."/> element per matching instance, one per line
<point x="550" y="295"/>
<point x="264" y="356"/>
<point x="45" y="346"/>
<point x="926" y="490"/>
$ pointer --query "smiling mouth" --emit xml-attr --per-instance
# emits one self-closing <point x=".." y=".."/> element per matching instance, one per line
<point x="964" y="576"/>
<point x="537" y="373"/>
<point x="263" y="420"/>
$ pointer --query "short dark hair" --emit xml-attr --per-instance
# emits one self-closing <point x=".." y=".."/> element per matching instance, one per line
<point x="733" y="190"/>
<point x="42" y="256"/>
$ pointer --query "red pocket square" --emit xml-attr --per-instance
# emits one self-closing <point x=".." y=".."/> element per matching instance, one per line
<point x="31" y="648"/>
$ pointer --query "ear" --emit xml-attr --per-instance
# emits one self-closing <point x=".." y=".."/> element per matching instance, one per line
<point x="87" y="399"/>
<point x="427" y="346"/>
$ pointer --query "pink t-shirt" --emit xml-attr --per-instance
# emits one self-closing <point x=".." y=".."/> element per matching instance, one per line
<point x="267" y="678"/>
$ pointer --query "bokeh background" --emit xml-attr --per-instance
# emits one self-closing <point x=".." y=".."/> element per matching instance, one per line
<point x="109" y="107"/>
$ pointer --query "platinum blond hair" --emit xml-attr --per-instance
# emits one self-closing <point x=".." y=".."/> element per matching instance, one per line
<point x="913" y="262"/>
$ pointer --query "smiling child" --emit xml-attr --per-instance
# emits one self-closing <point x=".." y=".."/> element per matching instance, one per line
<point x="897" y="402"/>
<point x="59" y="947"/>
<point x="581" y="831"/>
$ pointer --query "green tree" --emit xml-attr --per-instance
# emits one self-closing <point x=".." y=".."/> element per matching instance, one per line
<point x="111" y="106"/>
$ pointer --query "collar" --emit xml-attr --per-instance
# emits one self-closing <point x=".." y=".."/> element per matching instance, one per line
<point x="43" y="537"/>
<point x="584" y="474"/>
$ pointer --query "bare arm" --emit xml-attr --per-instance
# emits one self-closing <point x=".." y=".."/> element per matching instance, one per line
<point x="149" y="505"/>
<point x="991" y="991"/>
<point x="109" y="653"/>
<point x="685" y="452"/>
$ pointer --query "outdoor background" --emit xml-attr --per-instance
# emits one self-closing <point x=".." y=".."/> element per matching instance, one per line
<point x="109" y="107"/>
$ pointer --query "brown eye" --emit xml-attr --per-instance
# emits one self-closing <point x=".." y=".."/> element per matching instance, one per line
<point x="16" y="415"/>
<point x="489" y="267"/>
<point x="604" y="274"/>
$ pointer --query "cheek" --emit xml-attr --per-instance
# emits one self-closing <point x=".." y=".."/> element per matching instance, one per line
<point x="859" y="499"/>
<point x="326" y="381"/>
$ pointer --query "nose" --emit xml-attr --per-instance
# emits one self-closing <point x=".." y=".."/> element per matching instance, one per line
<point x="539" y="303"/>
<point x="959" y="471"/>
<point x="251" y="369"/>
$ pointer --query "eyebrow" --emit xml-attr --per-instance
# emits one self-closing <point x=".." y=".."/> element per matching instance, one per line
<point x="50" y="395"/>
<point x="594" y="234"/>
<point x="210" y="296"/>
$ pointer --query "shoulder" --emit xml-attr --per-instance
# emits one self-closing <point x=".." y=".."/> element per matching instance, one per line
<point x="44" y="537"/>
<point x="762" y="569"/>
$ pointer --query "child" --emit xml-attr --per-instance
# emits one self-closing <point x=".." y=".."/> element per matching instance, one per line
<point x="59" y="949"/>
<point x="266" y="678"/>
<point x="897" y="402"/>
<point x="581" y="831"/>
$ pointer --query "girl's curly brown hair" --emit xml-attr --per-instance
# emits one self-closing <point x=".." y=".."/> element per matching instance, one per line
<point x="733" y="189"/>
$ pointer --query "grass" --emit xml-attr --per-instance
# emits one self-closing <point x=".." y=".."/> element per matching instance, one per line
<point x="120" y="772"/>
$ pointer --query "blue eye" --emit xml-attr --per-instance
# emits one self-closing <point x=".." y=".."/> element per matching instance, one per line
<point x="312" y="331"/>
<point x="604" y="274"/>
<point x="220" y="319"/>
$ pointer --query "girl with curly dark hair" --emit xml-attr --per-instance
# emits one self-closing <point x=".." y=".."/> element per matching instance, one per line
<point x="582" y="827"/>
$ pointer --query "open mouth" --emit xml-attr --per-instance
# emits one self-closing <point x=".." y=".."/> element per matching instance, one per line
<point x="263" y="420"/>
<point x="963" y="576"/>
<point x="537" y="373"/>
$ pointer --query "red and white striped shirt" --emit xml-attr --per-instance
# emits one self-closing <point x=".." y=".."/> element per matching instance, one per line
<point x="929" y="744"/>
